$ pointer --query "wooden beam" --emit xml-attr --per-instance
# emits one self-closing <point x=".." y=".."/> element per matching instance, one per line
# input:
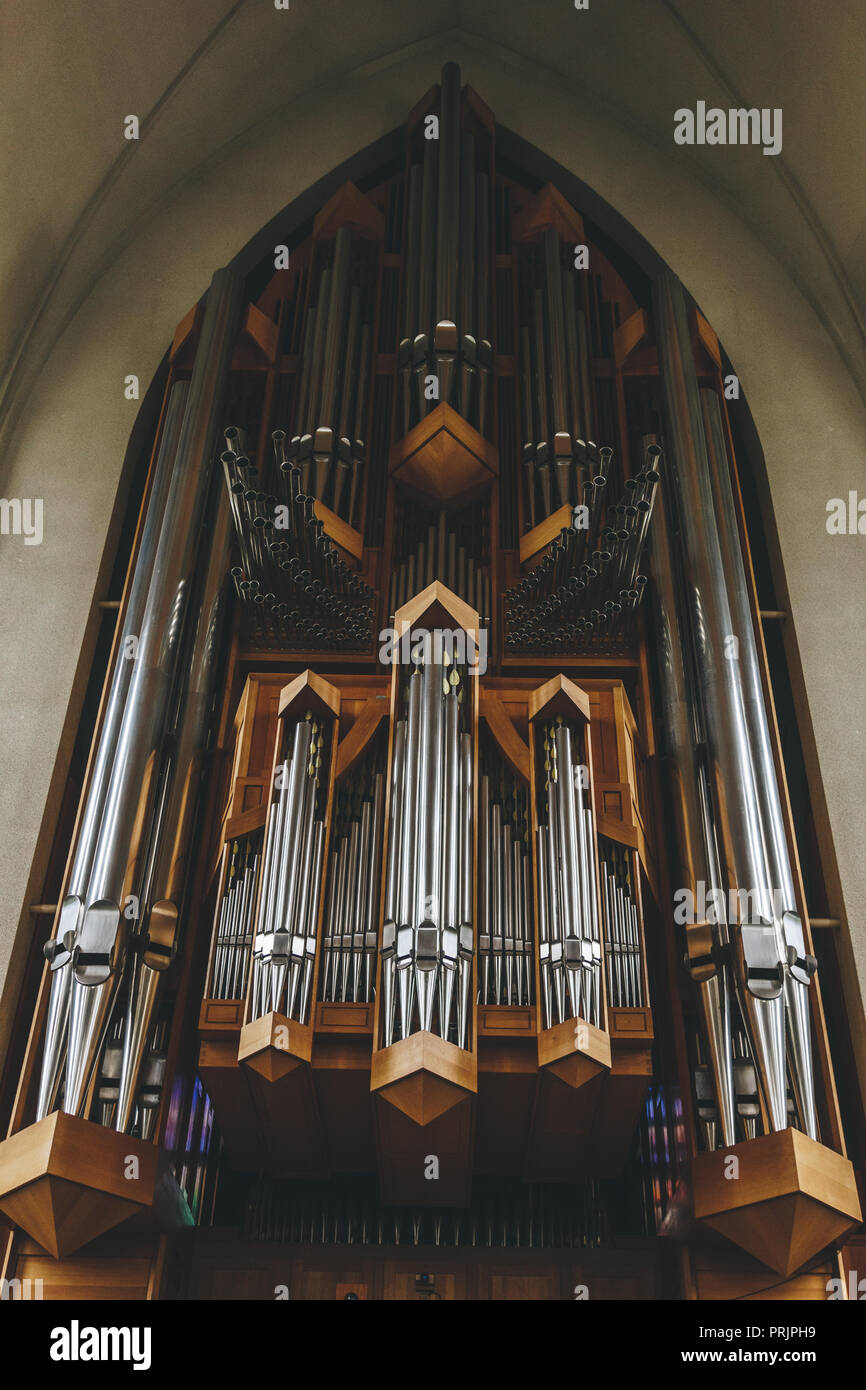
<point x="352" y="747"/>
<point x="546" y="531"/>
<point x="511" y="745"/>
<point x="340" y="532"/>
<point x="629" y="336"/>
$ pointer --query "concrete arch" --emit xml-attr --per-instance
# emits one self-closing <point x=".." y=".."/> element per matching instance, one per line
<point x="70" y="435"/>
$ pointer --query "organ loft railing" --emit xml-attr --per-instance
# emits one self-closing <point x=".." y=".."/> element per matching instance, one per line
<point x="400" y="786"/>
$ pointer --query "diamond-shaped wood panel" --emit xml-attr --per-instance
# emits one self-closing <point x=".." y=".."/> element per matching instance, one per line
<point x="784" y="1200"/>
<point x="444" y="460"/>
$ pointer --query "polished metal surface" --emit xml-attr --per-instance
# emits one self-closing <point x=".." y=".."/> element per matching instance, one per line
<point x="287" y="911"/>
<point x="784" y="904"/>
<point x="428" y="933"/>
<point x="570" y="943"/>
<point x="128" y="791"/>
<point x="727" y="691"/>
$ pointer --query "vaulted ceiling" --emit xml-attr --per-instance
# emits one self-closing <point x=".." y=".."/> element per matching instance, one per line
<point x="205" y="74"/>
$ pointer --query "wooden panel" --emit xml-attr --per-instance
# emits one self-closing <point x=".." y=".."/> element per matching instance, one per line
<point x="341" y="1077"/>
<point x="406" y="1148"/>
<point x="232" y="1269"/>
<point x="509" y="742"/>
<point x="309" y="691"/>
<point x="548" y="208"/>
<point x="629" y="336"/>
<point x="401" y="1276"/>
<point x="525" y="1287"/>
<point x="546" y="531"/>
<point x="722" y="1272"/>
<point x="506" y="1020"/>
<point x="340" y="532"/>
<point x="353" y="744"/>
<point x="117" y="1266"/>
<point x="344" y="1018"/>
<point x="220" y="1016"/>
<point x="349" y="207"/>
<point x="507" y="1081"/>
<point x="443" y="459"/>
<point x="627" y="1024"/>
<point x="559" y="695"/>
<point x="226" y="1082"/>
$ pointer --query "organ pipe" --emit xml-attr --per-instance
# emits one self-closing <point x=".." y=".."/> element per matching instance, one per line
<point x="568" y="912"/>
<point x="446" y="331"/>
<point x="586" y="589"/>
<point x="772" y="969"/>
<point x="156" y="941"/>
<point x="505" y="941"/>
<point x="428" y="936"/>
<point x="124" y="789"/>
<point x="350" y="935"/>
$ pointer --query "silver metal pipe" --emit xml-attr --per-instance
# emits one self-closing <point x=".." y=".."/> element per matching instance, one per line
<point x="374" y="860"/>
<point x="132" y="784"/>
<point x="335" y="332"/>
<point x="74" y="902"/>
<point x="288" y="865"/>
<point x="448" y="202"/>
<point x="785" y="915"/>
<point x="694" y="831"/>
<point x="427" y="252"/>
<point x="430" y="787"/>
<point x="741" y="840"/>
<point x="465" y="924"/>
<point x="313" y="905"/>
<point x="169" y="857"/>
<point x="317" y="356"/>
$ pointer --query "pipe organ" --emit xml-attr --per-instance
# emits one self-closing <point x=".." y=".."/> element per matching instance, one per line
<point x="351" y="938"/>
<point x="428" y="932"/>
<point x="435" y="876"/>
<point x="506" y="966"/>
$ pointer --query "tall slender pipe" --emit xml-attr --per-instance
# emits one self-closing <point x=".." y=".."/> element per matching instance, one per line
<point x="132" y="785"/>
<point x="788" y="922"/>
<point x="742" y="845"/>
<point x="697" y="857"/>
<point x="158" y="939"/>
<point x="74" y="902"/>
<point x="448" y="210"/>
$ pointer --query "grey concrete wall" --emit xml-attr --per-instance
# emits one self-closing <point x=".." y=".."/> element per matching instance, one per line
<point x="71" y="434"/>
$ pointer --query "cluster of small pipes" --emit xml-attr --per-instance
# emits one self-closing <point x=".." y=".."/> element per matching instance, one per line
<point x="587" y="587"/>
<point x="621" y="927"/>
<point x="446" y="331"/>
<point x="438" y="555"/>
<point x="328" y="442"/>
<point x="543" y="1219"/>
<point x="428" y="937"/>
<point x="233" y="931"/>
<point x="351" y="934"/>
<point x="555" y="371"/>
<point x="568" y="923"/>
<point x="284" y="944"/>
<point x="506" y="966"/>
<point x="299" y="589"/>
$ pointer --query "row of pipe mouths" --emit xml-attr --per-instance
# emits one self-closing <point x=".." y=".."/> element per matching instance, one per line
<point x="576" y="1217"/>
<point x="506" y="953"/>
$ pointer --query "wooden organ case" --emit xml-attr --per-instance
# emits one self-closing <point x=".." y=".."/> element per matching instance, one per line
<point x="403" y="972"/>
